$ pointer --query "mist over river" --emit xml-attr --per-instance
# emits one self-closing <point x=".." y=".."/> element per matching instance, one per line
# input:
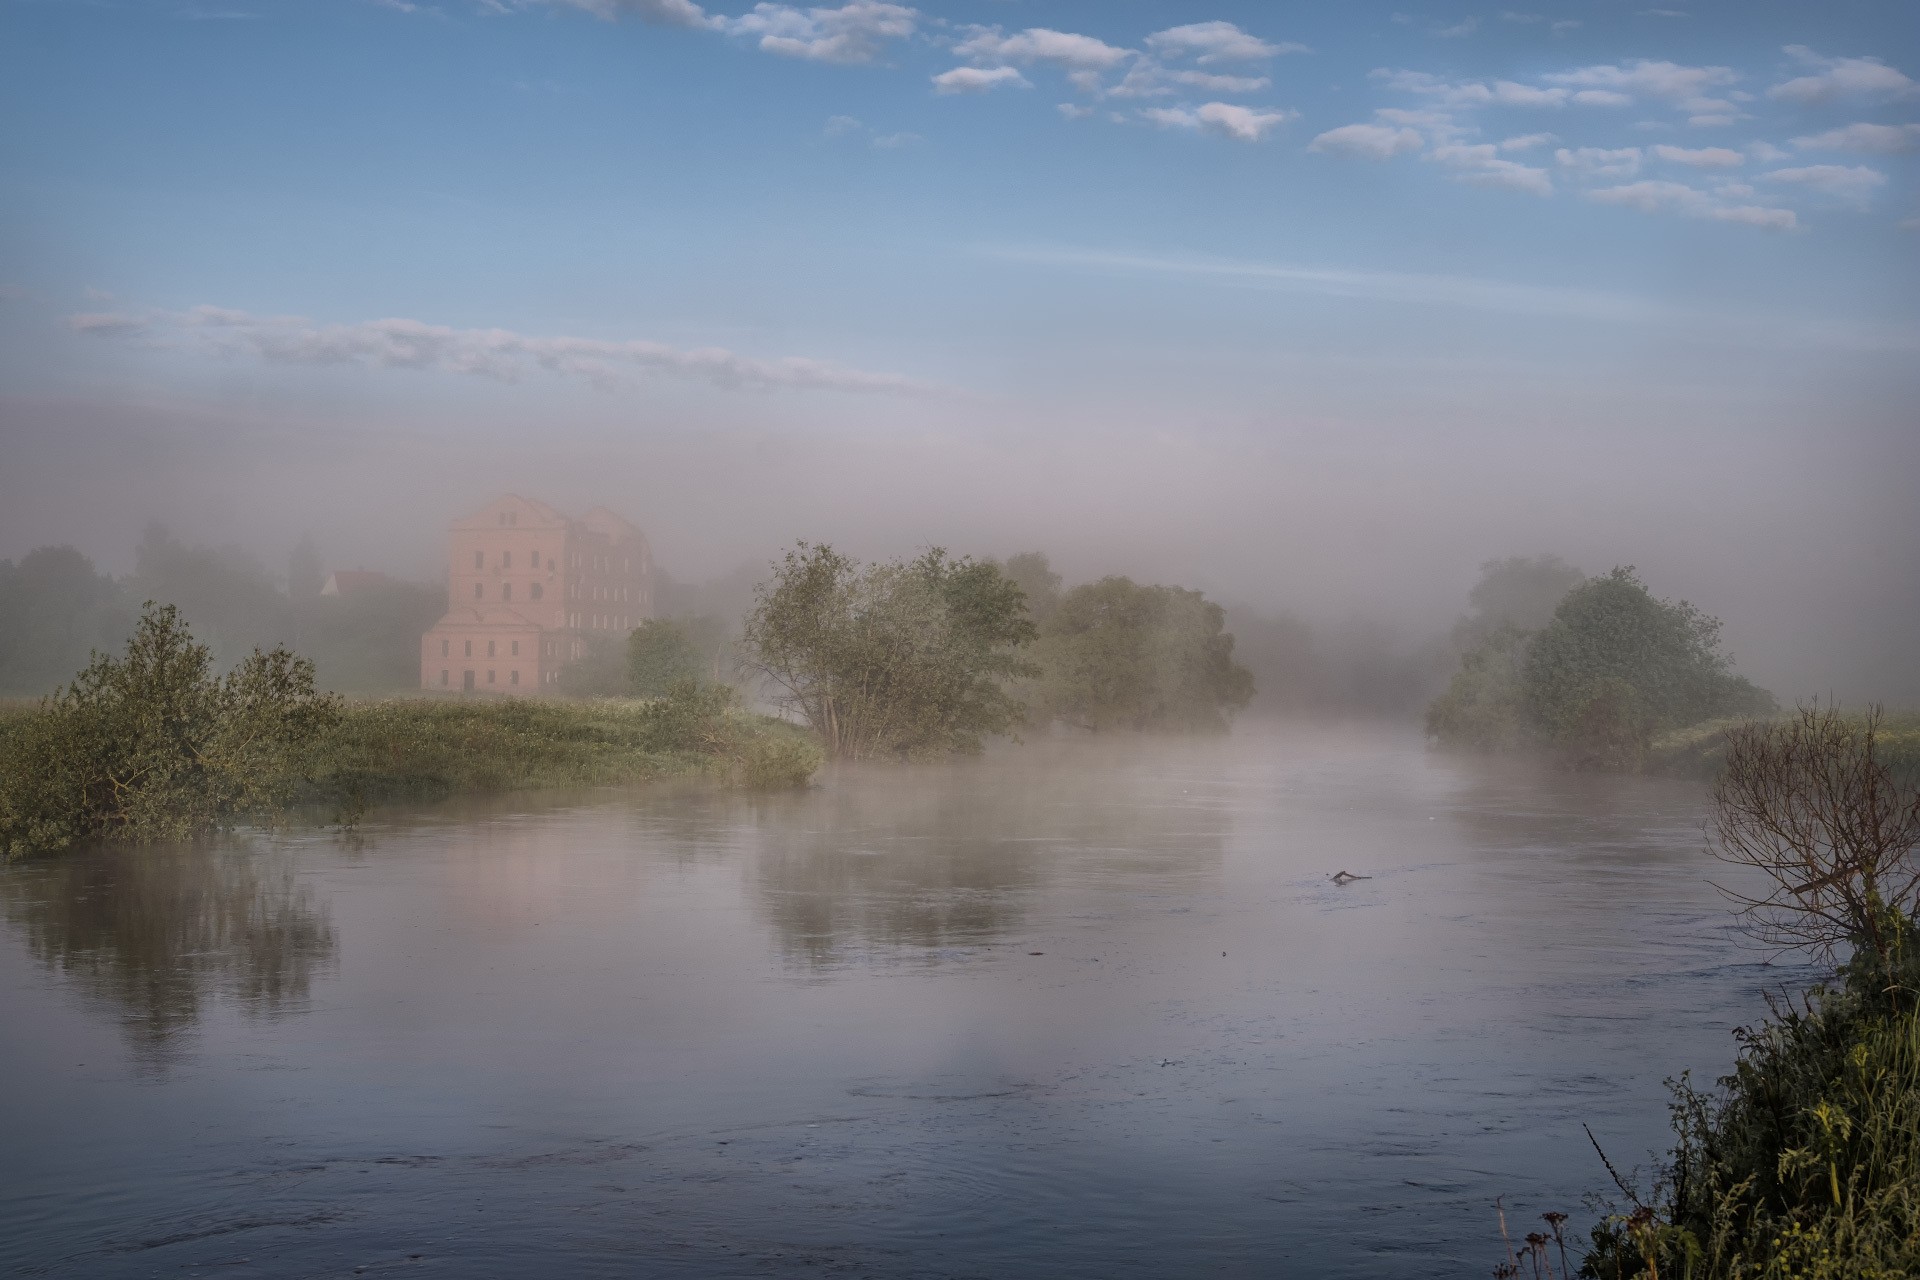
<point x="1073" y="1009"/>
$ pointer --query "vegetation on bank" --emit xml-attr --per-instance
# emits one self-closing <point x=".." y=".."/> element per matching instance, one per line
<point x="155" y="745"/>
<point x="1804" y="1163"/>
<point x="1608" y="673"/>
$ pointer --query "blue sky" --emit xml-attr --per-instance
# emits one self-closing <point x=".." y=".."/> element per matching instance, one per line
<point x="1148" y="282"/>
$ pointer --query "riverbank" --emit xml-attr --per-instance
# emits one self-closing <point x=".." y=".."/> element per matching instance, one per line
<point x="1699" y="750"/>
<point x="394" y="749"/>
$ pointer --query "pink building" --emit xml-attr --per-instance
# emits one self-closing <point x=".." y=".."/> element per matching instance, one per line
<point x="526" y="586"/>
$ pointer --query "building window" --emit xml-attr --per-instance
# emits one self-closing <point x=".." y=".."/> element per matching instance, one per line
<point x="516" y="648"/>
<point x="535" y="557"/>
<point x="489" y="648"/>
<point x="506" y="591"/>
<point x="479" y="559"/>
<point x="506" y="559"/>
<point x="513" y="676"/>
<point x="536" y="591"/>
<point x="469" y="648"/>
<point x="478" y="591"/>
<point x="489" y="677"/>
<point x="443" y="677"/>
<point x="445" y="646"/>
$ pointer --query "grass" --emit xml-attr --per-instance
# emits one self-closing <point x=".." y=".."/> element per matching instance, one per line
<point x="1698" y="750"/>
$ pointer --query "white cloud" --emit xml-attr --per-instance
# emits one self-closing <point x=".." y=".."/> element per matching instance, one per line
<point x="666" y="13"/>
<point x="1506" y="93"/>
<point x="1600" y="162"/>
<point x="1841" y="77"/>
<point x="1700" y="157"/>
<point x="1854" y="184"/>
<point x="856" y="32"/>
<point x="1464" y="27"/>
<point x="1041" y="44"/>
<point x="1678" y="197"/>
<point x="977" y="79"/>
<point x="1146" y="78"/>
<point x="1663" y="13"/>
<point x="1374" y="141"/>
<point x="1766" y="152"/>
<point x="1602" y="98"/>
<point x="1527" y="141"/>
<point x="1243" y="124"/>
<point x="1644" y="78"/>
<point x="1208" y="42"/>
<point x="494" y="353"/>
<point x="1073" y="110"/>
<point x="1481" y="166"/>
<point x="1880" y="139"/>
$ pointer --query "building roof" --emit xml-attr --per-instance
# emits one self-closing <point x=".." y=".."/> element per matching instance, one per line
<point x="344" y="582"/>
<point x="612" y="527"/>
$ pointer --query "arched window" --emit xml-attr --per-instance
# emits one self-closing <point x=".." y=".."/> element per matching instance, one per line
<point x="469" y="648"/>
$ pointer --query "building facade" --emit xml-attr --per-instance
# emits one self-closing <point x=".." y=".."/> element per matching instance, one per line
<point x="526" y="587"/>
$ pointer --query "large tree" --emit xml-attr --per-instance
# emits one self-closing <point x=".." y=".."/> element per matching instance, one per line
<point x="902" y="658"/>
<point x="1118" y="655"/>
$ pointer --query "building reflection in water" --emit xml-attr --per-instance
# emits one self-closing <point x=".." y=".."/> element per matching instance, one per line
<point x="163" y="932"/>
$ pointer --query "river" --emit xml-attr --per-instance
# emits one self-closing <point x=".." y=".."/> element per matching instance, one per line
<point x="1073" y="1009"/>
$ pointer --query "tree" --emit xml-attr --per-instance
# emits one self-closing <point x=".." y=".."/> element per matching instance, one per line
<point x="153" y="745"/>
<point x="1517" y="593"/>
<point x="55" y="610"/>
<point x="1615" y="666"/>
<point x="1484" y="707"/>
<point x="1815" y="804"/>
<point x="891" y="659"/>
<point x="1118" y="655"/>
<point x="1037" y="581"/>
<point x="660" y="654"/>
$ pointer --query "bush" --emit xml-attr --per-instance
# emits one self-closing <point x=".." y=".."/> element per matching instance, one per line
<point x="153" y="745"/>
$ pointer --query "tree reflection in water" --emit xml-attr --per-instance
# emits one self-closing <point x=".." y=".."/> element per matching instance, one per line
<point x="162" y="931"/>
<point x="929" y="857"/>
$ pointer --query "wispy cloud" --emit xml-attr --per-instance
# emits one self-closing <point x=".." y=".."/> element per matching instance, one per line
<point x="493" y="353"/>
<point x="1372" y="141"/>
<point x="978" y="79"/>
<point x="1842" y="78"/>
<point x="1880" y="139"/>
<point x="1852" y="184"/>
<point x="854" y="33"/>
<point x="1208" y="42"/>
<point x="1652" y="196"/>
<point x="1243" y="124"/>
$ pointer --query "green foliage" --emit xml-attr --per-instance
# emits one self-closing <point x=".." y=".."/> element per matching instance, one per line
<point x="660" y="654"/>
<point x="1612" y="629"/>
<point x="54" y="610"/>
<point x="1484" y="707"/>
<point x="1034" y="575"/>
<point x="600" y="671"/>
<point x="1517" y="593"/>
<point x="1612" y="669"/>
<point x="1806" y="1162"/>
<point x="892" y="659"/>
<point x="1118" y="655"/>
<point x="154" y="745"/>
<point x="427" y="748"/>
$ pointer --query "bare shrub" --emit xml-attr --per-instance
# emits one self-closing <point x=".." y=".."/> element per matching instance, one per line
<point x="1811" y="802"/>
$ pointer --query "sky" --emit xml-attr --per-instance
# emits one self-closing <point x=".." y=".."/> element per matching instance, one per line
<point x="1313" y="306"/>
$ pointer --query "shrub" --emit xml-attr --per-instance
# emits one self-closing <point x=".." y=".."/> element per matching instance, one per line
<point x="153" y="745"/>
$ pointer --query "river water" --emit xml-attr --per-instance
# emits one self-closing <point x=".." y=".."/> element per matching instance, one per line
<point x="1071" y="1010"/>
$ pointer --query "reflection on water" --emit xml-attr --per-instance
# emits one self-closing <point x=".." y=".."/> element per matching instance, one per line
<point x="1079" y="1009"/>
<point x="933" y="858"/>
<point x="159" y="932"/>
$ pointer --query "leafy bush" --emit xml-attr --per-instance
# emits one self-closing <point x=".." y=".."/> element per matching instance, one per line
<point x="1117" y="655"/>
<point x="1613" y="669"/>
<point x="153" y="745"/>
<point x="660" y="653"/>
<point x="894" y="659"/>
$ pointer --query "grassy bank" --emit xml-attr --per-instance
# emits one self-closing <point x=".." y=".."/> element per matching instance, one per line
<point x="1699" y="750"/>
<point x="155" y="745"/>
<point x="426" y="748"/>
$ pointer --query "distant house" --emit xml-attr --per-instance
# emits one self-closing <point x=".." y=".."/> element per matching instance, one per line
<point x="346" y="582"/>
<point x="526" y="586"/>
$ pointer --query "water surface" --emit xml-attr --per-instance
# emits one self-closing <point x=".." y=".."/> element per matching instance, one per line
<point x="1074" y="1009"/>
